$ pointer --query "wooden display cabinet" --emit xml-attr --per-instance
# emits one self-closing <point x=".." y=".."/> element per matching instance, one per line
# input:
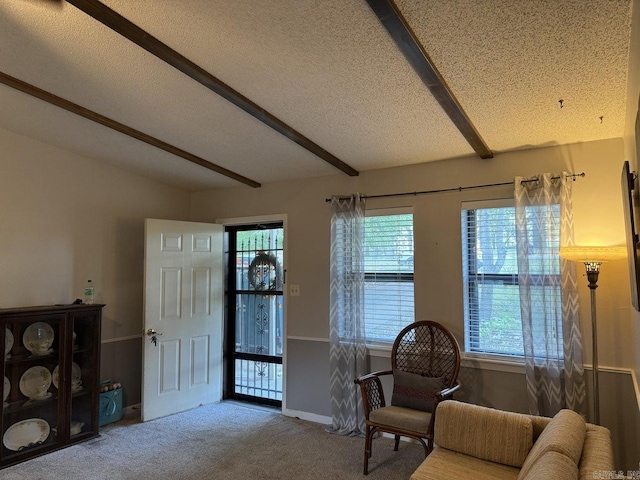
<point x="51" y="366"/>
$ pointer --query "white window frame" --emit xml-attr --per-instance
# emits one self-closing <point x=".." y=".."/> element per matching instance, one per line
<point x="468" y="352"/>
<point x="377" y="347"/>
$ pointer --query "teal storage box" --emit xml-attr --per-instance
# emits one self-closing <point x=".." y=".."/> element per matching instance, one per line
<point x="110" y="406"/>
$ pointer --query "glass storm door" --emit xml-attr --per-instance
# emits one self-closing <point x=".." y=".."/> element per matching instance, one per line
<point x="255" y="313"/>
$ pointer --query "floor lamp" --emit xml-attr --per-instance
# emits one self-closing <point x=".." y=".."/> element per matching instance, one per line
<point x="593" y="257"/>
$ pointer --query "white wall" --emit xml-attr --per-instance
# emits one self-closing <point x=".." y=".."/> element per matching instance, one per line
<point x="631" y="142"/>
<point x="66" y="218"/>
<point x="438" y="267"/>
<point x="597" y="210"/>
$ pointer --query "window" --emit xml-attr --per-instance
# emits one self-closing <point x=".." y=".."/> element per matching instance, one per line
<point x="388" y="266"/>
<point x="491" y="276"/>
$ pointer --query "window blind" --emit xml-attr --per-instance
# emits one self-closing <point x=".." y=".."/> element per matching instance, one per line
<point x="492" y="277"/>
<point x="388" y="266"/>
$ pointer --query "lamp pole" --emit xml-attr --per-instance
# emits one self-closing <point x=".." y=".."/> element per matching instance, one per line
<point x="593" y="257"/>
<point x="593" y="269"/>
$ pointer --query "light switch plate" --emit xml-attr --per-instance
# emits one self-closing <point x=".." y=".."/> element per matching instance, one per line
<point x="294" y="290"/>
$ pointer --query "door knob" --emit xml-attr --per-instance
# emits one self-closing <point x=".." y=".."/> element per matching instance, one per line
<point x="154" y="336"/>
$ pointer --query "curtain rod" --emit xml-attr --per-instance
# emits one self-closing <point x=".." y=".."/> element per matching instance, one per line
<point x="459" y="189"/>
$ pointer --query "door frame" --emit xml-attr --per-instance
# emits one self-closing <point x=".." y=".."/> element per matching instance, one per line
<point x="225" y="222"/>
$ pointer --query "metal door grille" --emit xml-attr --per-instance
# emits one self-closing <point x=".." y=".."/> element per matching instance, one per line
<point x="255" y="313"/>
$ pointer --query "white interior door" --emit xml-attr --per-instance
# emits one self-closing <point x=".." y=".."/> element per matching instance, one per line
<point x="183" y="285"/>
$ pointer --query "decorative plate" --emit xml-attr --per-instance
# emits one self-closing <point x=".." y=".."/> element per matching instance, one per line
<point x="35" y="382"/>
<point x="76" y="375"/>
<point x="7" y="389"/>
<point x="26" y="433"/>
<point x="8" y="341"/>
<point x="76" y="428"/>
<point x="38" y="337"/>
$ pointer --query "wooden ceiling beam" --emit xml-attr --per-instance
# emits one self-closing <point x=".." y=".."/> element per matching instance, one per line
<point x="408" y="43"/>
<point x="119" y="127"/>
<point x="129" y="30"/>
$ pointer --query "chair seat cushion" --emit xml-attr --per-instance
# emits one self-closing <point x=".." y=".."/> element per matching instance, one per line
<point x="415" y="391"/>
<point x="402" y="418"/>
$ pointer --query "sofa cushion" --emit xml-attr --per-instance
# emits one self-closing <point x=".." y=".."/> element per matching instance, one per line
<point x="553" y="465"/>
<point x="485" y="433"/>
<point x="411" y="390"/>
<point x="597" y="452"/>
<point x="444" y="464"/>
<point x="403" y="418"/>
<point x="564" y="434"/>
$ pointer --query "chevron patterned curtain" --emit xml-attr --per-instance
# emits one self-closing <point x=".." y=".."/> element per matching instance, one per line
<point x="548" y="295"/>
<point x="347" y="348"/>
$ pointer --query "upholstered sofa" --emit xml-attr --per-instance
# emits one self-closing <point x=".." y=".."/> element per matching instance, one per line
<point x="483" y="443"/>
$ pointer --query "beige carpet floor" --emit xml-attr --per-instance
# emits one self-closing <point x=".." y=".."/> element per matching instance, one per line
<point x="223" y="441"/>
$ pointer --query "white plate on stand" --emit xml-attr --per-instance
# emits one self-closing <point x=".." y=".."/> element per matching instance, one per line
<point x="35" y="383"/>
<point x="76" y="376"/>
<point x="8" y="342"/>
<point x="7" y="390"/>
<point x="38" y="337"/>
<point x="27" y="433"/>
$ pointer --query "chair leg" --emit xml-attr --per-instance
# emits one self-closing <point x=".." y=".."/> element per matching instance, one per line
<point x="365" y="469"/>
<point x="367" y="449"/>
<point x="427" y="445"/>
<point x="397" y="443"/>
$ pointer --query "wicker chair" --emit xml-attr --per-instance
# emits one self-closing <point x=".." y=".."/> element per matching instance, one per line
<point x="425" y="361"/>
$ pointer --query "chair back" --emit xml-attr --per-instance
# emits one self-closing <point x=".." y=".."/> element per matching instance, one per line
<point x="428" y="349"/>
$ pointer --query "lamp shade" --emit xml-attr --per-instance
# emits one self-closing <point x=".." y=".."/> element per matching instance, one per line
<point x="593" y="254"/>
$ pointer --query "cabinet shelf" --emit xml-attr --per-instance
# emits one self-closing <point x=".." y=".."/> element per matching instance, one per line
<point x="29" y="452"/>
<point x="25" y="405"/>
<point x="35" y="359"/>
<point x="74" y="360"/>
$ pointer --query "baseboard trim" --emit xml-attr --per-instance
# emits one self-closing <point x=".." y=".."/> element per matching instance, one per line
<point x="325" y="420"/>
<point x="131" y="409"/>
<point x="311" y="417"/>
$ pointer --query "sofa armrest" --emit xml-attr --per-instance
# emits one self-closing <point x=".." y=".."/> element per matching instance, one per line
<point x="597" y="452"/>
<point x="485" y="433"/>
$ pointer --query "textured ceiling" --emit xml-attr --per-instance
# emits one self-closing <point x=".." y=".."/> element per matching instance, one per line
<point x="326" y="68"/>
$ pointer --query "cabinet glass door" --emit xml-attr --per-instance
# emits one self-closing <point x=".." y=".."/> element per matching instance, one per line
<point x="83" y="383"/>
<point x="32" y="399"/>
